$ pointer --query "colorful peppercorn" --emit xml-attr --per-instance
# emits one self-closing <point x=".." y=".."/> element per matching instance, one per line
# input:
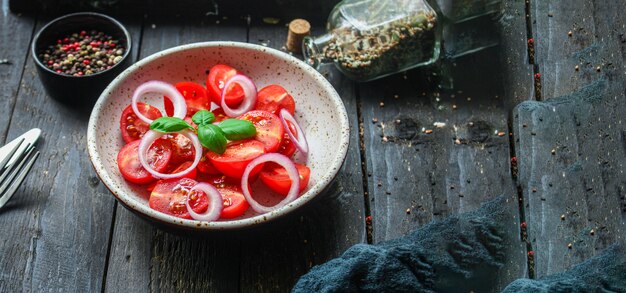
<point x="83" y="53"/>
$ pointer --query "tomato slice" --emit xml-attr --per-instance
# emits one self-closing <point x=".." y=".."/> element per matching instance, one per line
<point x="269" y="128"/>
<point x="182" y="149"/>
<point x="237" y="156"/>
<point x="169" y="197"/>
<point x="275" y="177"/>
<point x="215" y="82"/>
<point x="235" y="203"/>
<point x="195" y="96"/>
<point x="134" y="128"/>
<point x="159" y="156"/>
<point x="205" y="166"/>
<point x="288" y="147"/>
<point x="273" y="97"/>
<point x="191" y="174"/>
<point x="219" y="115"/>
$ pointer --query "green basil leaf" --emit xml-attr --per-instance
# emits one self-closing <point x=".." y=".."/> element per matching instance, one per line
<point x="203" y="117"/>
<point x="169" y="124"/>
<point x="212" y="138"/>
<point x="235" y="129"/>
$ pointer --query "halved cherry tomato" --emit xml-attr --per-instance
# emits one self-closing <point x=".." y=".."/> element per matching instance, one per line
<point x="169" y="197"/>
<point x="235" y="203"/>
<point x="134" y="128"/>
<point x="191" y="174"/>
<point x="272" y="98"/>
<point x="275" y="177"/>
<point x="222" y="181"/>
<point x="151" y="186"/>
<point x="216" y="81"/>
<point x="205" y="166"/>
<point x="288" y="147"/>
<point x="269" y="128"/>
<point x="237" y="156"/>
<point x="182" y="149"/>
<point x="159" y="155"/>
<point x="195" y="96"/>
<point x="219" y="115"/>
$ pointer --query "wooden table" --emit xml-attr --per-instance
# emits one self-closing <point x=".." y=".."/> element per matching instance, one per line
<point x="559" y="156"/>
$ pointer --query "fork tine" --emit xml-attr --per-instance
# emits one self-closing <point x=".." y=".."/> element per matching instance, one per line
<point x="14" y="182"/>
<point x="18" y="155"/>
<point x="7" y="158"/>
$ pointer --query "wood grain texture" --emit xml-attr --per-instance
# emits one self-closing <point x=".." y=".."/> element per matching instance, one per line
<point x="326" y="227"/>
<point x="57" y="225"/>
<point x="517" y="73"/>
<point x="570" y="149"/>
<point x="144" y="258"/>
<point x="318" y="10"/>
<point x="19" y="31"/>
<point x="419" y="171"/>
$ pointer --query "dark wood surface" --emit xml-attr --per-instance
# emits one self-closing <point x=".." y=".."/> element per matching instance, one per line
<point x="63" y="231"/>
<point x="572" y="147"/>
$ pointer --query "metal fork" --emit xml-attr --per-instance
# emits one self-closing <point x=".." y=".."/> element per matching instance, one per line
<point x="16" y="160"/>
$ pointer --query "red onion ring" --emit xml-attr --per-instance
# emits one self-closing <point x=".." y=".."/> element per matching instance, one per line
<point x="299" y="140"/>
<point x="216" y="203"/>
<point x="291" y="171"/>
<point x="249" y="100"/>
<point x="180" y="107"/>
<point x="151" y="136"/>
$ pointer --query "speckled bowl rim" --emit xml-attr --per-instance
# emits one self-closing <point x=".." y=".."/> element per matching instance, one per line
<point x="168" y="220"/>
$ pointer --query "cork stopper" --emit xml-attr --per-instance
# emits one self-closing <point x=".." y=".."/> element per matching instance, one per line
<point x="298" y="29"/>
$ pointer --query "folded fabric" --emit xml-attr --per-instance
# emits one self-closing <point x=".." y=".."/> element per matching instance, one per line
<point x="604" y="273"/>
<point x="462" y="252"/>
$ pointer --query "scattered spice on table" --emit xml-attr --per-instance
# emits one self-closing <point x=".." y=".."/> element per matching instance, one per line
<point x="83" y="53"/>
<point x="562" y="217"/>
<point x="576" y="68"/>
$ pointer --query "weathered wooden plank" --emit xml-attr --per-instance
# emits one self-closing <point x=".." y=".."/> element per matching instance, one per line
<point x="57" y="225"/>
<point x="433" y="154"/>
<point x="144" y="258"/>
<point x="517" y="72"/>
<point x="571" y="148"/>
<point x="189" y="8"/>
<point x="280" y="254"/>
<point x="587" y="34"/>
<point x="13" y="53"/>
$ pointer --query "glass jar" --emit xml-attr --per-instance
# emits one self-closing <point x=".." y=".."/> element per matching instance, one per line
<point x="370" y="39"/>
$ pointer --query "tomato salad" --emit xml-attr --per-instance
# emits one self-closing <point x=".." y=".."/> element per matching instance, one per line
<point x="198" y="162"/>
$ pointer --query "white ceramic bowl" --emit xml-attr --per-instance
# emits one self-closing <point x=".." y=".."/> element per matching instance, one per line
<point x="319" y="110"/>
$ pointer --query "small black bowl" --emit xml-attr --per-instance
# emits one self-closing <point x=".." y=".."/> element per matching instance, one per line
<point x="79" y="90"/>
